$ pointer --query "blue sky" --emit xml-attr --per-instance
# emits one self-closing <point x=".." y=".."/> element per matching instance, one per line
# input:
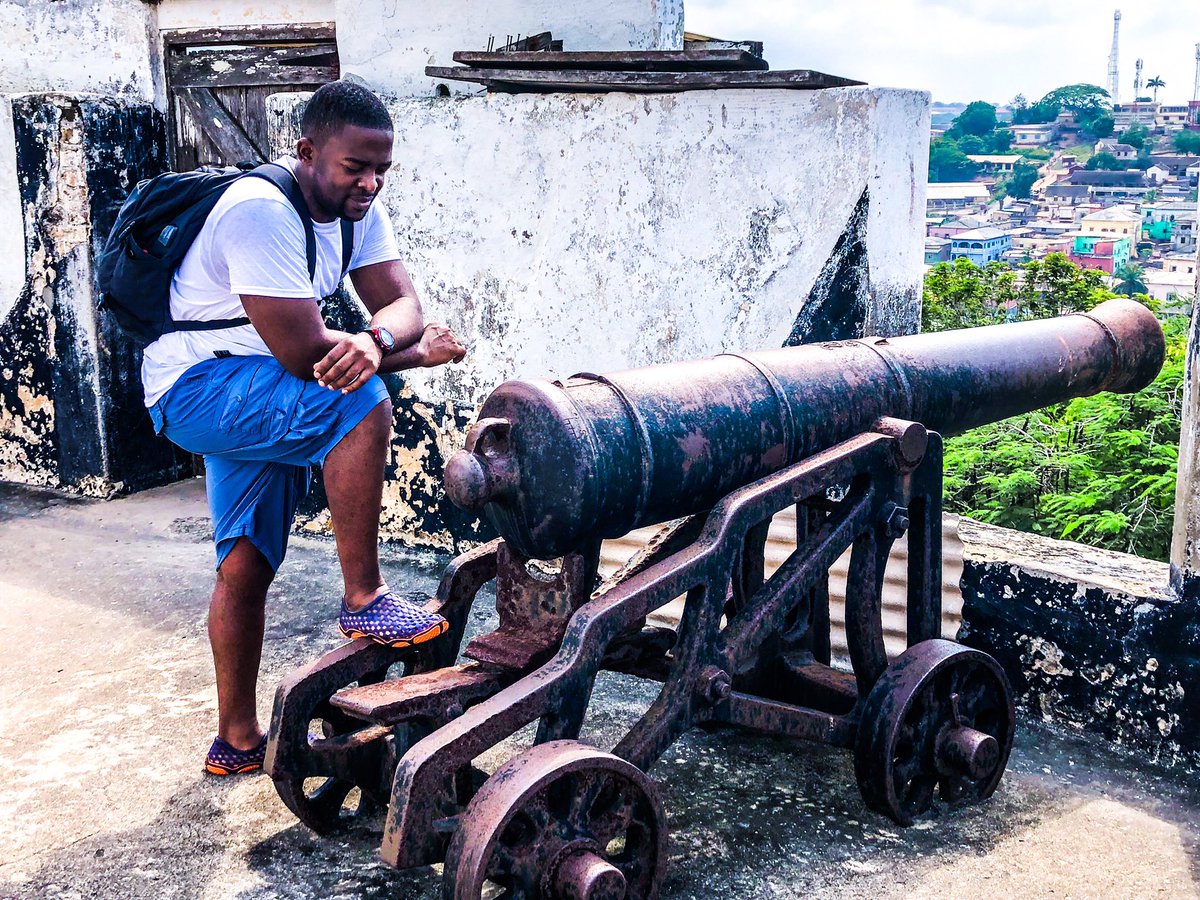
<point x="964" y="50"/>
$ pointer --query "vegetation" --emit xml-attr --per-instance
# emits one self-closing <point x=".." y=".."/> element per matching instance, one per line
<point x="1098" y="469"/>
<point x="1136" y="136"/>
<point x="1020" y="183"/>
<point x="1156" y="83"/>
<point x="1106" y="162"/>
<point x="1188" y="142"/>
<point x="1129" y="280"/>
<point x="947" y="162"/>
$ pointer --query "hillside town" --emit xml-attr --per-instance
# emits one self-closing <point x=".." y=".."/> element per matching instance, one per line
<point x="1112" y="186"/>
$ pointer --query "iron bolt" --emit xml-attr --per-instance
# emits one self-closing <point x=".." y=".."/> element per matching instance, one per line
<point x="714" y="685"/>
<point x="897" y="522"/>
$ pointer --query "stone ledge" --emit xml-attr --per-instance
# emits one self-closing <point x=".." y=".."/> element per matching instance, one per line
<point x="1091" y="639"/>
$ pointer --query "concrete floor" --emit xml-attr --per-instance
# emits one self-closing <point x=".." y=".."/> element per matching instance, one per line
<point x="107" y="706"/>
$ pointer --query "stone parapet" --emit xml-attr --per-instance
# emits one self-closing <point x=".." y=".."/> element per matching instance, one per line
<point x="1091" y="639"/>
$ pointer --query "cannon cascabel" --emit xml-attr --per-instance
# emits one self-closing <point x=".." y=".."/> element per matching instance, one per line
<point x="556" y="465"/>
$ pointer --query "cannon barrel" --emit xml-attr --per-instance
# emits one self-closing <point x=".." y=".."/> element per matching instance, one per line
<point x="555" y="465"/>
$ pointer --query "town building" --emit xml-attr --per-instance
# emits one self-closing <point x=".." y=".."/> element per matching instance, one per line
<point x="1092" y="251"/>
<point x="1173" y="221"/>
<point x="1032" y="135"/>
<point x="936" y="250"/>
<point x="1117" y="221"/>
<point x="996" y="163"/>
<point x="957" y="196"/>
<point x="981" y="246"/>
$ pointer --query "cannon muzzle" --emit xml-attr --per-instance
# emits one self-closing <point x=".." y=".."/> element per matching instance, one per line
<point x="555" y="465"/>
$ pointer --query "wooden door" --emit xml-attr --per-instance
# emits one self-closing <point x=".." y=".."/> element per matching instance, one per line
<point x="218" y="81"/>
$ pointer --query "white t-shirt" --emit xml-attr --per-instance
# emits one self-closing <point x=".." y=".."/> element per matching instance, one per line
<point x="252" y="243"/>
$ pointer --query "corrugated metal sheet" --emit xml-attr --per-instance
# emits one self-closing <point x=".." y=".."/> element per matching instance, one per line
<point x="781" y="542"/>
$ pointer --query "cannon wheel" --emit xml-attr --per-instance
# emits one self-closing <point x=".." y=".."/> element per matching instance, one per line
<point x="940" y="719"/>
<point x="560" y="820"/>
<point x="318" y="800"/>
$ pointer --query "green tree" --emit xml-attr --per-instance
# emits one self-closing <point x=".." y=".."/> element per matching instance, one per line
<point x="1130" y="280"/>
<point x="978" y="118"/>
<point x="1136" y="136"/>
<point x="969" y="143"/>
<point x="948" y="163"/>
<point x="1099" y="469"/>
<point x="1156" y="83"/>
<point x="1101" y="126"/>
<point x="1105" y="162"/>
<point x="1020" y="183"/>
<point x="1188" y="142"/>
<point x="1000" y="140"/>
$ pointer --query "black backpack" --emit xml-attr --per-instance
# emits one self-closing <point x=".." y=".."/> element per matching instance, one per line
<point x="157" y="224"/>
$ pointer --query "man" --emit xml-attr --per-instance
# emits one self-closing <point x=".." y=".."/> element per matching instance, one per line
<point x="263" y="401"/>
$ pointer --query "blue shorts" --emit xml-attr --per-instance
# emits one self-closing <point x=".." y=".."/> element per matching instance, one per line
<point x="259" y="428"/>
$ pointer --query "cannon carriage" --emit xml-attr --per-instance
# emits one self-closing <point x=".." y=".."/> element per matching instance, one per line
<point x="847" y="433"/>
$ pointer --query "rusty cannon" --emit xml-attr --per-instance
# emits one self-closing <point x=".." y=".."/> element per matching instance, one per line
<point x="850" y="435"/>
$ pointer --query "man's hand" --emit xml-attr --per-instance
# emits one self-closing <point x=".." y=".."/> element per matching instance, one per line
<point x="440" y="345"/>
<point x="349" y="364"/>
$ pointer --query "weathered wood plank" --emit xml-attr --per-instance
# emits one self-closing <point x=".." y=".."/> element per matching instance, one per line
<point x="514" y="80"/>
<point x="317" y="63"/>
<point x="617" y="61"/>
<point x="279" y="34"/>
<point x="218" y="126"/>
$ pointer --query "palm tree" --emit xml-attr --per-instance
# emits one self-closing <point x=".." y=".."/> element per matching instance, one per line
<point x="1156" y="83"/>
<point x="1128" y="280"/>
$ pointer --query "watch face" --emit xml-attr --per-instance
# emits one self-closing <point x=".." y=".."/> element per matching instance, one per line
<point x="385" y="337"/>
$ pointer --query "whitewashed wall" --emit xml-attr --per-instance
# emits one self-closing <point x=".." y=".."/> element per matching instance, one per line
<point x="224" y="13"/>
<point x="95" y="46"/>
<point x="12" y="232"/>
<point x="388" y="45"/>
<point x="596" y="232"/>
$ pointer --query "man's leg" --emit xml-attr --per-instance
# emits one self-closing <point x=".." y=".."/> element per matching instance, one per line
<point x="353" y="473"/>
<point x="235" y="630"/>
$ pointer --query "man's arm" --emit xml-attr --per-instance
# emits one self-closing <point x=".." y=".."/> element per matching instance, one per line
<point x="388" y="293"/>
<point x="296" y="336"/>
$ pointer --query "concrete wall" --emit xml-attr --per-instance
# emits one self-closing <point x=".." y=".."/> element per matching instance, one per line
<point x="573" y="232"/>
<point x="388" y="45"/>
<point x="1091" y="640"/>
<point x="224" y="13"/>
<point x="99" y="46"/>
<point x="70" y="399"/>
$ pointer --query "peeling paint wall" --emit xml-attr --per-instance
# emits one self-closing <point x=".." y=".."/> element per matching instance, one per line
<point x="597" y="232"/>
<point x="388" y="45"/>
<point x="1090" y="639"/>
<point x="98" y="46"/>
<point x="69" y="393"/>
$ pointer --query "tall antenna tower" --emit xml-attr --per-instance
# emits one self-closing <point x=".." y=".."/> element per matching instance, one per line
<point x="1137" y="80"/>
<point x="1196" y="89"/>
<point x="1114" y="76"/>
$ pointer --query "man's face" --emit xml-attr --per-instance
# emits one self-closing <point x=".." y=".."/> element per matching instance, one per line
<point x="347" y="170"/>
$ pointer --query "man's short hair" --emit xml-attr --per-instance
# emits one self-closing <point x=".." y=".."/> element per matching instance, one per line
<point x="341" y="103"/>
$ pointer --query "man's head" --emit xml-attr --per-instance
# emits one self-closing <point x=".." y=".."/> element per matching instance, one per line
<point x="345" y="150"/>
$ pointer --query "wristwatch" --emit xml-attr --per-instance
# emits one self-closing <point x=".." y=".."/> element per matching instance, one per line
<point x="383" y="339"/>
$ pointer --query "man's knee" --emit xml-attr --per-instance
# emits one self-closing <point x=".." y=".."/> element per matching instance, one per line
<point x="245" y="573"/>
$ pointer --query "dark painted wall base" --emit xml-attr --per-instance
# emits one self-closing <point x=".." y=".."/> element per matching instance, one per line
<point x="74" y="397"/>
<point x="1090" y="639"/>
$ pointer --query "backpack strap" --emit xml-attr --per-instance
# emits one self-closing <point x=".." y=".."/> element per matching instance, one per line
<point x="283" y="179"/>
<point x="347" y="245"/>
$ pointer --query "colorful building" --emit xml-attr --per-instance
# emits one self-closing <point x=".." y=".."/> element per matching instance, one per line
<point x="981" y="246"/>
<point x="1103" y="252"/>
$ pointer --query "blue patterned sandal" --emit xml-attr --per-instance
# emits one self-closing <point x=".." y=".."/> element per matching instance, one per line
<point x="392" y="621"/>
<point x="225" y="759"/>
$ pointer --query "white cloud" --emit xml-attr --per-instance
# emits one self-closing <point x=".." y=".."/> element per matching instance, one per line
<point x="965" y="49"/>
